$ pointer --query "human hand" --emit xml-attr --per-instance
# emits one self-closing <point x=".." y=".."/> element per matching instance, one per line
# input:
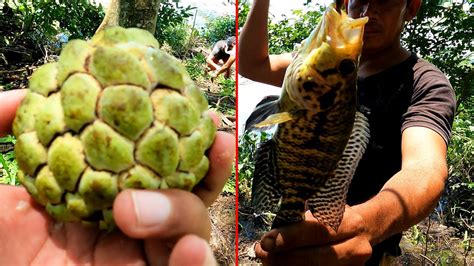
<point x="9" y="102"/>
<point x="158" y="227"/>
<point x="312" y="243"/>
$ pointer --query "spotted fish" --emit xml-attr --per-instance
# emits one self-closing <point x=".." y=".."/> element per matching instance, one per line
<point x="319" y="137"/>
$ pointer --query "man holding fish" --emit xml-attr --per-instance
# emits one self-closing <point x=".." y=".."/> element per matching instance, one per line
<point x="409" y="105"/>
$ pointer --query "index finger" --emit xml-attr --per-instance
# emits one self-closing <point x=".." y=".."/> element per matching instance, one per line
<point x="221" y="156"/>
<point x="311" y="233"/>
<point x="9" y="102"/>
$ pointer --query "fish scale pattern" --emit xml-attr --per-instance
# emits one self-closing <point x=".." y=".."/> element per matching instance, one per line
<point x="345" y="170"/>
<point x="113" y="113"/>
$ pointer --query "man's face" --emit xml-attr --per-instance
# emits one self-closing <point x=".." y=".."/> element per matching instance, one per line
<point x="386" y="20"/>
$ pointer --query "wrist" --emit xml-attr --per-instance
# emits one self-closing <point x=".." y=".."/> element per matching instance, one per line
<point x="374" y="219"/>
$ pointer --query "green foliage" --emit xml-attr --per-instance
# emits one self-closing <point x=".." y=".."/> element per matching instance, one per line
<point x="416" y="236"/>
<point x="226" y="99"/>
<point x="176" y="38"/>
<point x="171" y="26"/>
<point x="227" y="87"/>
<point x="8" y="163"/>
<point x="36" y="23"/>
<point x="244" y="9"/>
<point x="219" y="28"/>
<point x="442" y="34"/>
<point x="459" y="203"/>
<point x="286" y="33"/>
<point x="248" y="143"/>
<point x="196" y="66"/>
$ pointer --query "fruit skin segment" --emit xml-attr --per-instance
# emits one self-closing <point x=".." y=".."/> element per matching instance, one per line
<point x="113" y="113"/>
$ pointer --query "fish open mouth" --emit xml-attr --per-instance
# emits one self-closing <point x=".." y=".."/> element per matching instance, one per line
<point x="343" y="31"/>
<point x="339" y="31"/>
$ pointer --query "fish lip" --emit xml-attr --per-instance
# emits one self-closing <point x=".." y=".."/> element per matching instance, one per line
<point x="358" y="22"/>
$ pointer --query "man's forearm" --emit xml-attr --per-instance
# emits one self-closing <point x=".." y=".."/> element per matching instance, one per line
<point x="406" y="199"/>
<point x="253" y="40"/>
<point x="210" y="62"/>
<point x="227" y="65"/>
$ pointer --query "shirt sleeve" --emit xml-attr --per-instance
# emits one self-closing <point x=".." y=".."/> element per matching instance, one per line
<point x="433" y="102"/>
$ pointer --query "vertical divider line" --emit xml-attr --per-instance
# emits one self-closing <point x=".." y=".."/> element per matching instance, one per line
<point x="236" y="133"/>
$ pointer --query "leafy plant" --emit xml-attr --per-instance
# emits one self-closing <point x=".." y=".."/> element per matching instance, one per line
<point x="36" y="23"/>
<point x="219" y="28"/>
<point x="8" y="163"/>
<point x="458" y="200"/>
<point x="228" y="87"/>
<point x="171" y="20"/>
<point x="248" y="143"/>
<point x="196" y="66"/>
<point x="442" y="33"/>
<point x="226" y="98"/>
<point x="244" y="9"/>
<point x="416" y="236"/>
<point x="285" y="34"/>
<point x="177" y="38"/>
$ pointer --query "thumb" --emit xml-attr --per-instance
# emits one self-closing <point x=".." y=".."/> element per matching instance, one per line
<point x="164" y="214"/>
<point x="192" y="250"/>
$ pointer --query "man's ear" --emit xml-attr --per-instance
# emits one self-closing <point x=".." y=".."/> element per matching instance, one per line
<point x="412" y="9"/>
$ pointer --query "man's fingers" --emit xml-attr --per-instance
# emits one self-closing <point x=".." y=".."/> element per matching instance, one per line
<point x="157" y="252"/>
<point x="221" y="156"/>
<point x="311" y="233"/>
<point x="215" y="118"/>
<point x="353" y="251"/>
<point x="303" y="234"/>
<point x="9" y="102"/>
<point x="164" y="214"/>
<point x="192" y="250"/>
<point x="112" y="249"/>
<point x="21" y="218"/>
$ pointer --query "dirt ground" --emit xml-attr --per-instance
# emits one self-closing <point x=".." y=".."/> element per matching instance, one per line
<point x="222" y="214"/>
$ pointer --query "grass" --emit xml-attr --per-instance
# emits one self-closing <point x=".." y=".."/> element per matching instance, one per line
<point x="9" y="164"/>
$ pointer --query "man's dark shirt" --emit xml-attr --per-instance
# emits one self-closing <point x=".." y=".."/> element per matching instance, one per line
<point x="412" y="93"/>
<point x="218" y="50"/>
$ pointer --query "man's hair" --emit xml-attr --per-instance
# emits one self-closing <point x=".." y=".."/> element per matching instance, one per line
<point x="230" y="41"/>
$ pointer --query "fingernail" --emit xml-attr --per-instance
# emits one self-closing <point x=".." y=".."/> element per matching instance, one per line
<point x="268" y="244"/>
<point x="151" y="208"/>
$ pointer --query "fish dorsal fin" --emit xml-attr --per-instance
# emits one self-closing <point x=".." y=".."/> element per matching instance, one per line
<point x="266" y="192"/>
<point x="275" y="119"/>
<point x="328" y="204"/>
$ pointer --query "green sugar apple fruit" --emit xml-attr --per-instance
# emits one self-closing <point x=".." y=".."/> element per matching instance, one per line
<point x="113" y="113"/>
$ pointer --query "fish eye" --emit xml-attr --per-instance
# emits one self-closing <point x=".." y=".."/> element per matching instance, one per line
<point x="347" y="66"/>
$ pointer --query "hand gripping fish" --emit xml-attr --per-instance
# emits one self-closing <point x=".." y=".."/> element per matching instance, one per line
<point x="320" y="137"/>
